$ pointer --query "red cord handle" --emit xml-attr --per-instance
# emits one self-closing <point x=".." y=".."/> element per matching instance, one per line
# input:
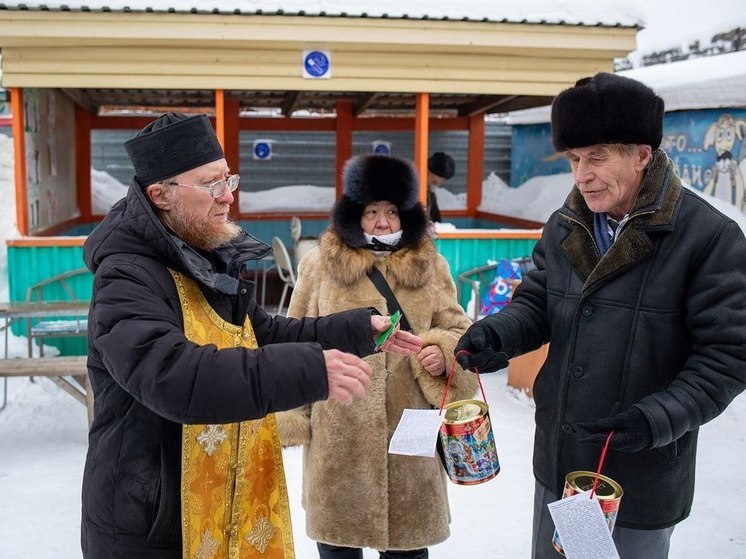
<point x="600" y="464"/>
<point x="450" y="379"/>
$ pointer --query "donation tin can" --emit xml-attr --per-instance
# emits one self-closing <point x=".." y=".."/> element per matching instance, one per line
<point x="469" y="451"/>
<point x="608" y="491"/>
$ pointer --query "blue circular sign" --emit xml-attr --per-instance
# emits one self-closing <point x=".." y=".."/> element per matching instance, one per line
<point x="382" y="149"/>
<point x="316" y="64"/>
<point x="262" y="150"/>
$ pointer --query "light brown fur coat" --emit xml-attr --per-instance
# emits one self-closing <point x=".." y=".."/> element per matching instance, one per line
<point x="354" y="492"/>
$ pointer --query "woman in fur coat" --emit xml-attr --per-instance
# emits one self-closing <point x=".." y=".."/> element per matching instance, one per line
<point x="355" y="493"/>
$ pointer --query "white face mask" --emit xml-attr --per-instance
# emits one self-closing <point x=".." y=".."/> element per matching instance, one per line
<point x="392" y="239"/>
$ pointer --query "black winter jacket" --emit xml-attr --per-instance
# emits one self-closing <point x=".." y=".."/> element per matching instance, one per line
<point x="148" y="379"/>
<point x="659" y="323"/>
<point x="433" y="210"/>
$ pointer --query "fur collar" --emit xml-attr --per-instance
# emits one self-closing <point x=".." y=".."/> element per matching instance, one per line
<point x="347" y="265"/>
<point x="654" y="210"/>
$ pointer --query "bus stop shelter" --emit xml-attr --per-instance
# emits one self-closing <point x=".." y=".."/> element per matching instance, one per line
<point x="74" y="67"/>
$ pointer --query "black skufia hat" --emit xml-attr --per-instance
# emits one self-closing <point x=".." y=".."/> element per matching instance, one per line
<point x="441" y="164"/>
<point x="378" y="178"/>
<point x="606" y="109"/>
<point x="172" y="144"/>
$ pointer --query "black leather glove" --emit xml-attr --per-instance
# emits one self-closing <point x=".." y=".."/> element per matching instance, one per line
<point x="632" y="431"/>
<point x="484" y="347"/>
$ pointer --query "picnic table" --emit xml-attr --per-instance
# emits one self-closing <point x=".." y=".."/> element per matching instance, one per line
<point x="45" y="320"/>
<point x="68" y="310"/>
<point x="56" y="369"/>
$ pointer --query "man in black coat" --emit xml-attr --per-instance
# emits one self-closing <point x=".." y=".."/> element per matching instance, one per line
<point x="440" y="169"/>
<point x="640" y="291"/>
<point x="187" y="369"/>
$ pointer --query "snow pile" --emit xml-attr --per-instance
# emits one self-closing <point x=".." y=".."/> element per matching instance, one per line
<point x="106" y="191"/>
<point x="296" y="198"/>
<point x="536" y="199"/>
<point x="7" y="208"/>
<point x="447" y="200"/>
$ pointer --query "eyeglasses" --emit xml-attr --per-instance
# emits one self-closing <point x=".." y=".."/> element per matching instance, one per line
<point x="217" y="188"/>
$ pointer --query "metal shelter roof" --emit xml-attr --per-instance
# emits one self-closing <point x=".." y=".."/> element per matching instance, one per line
<point x="287" y="103"/>
<point x="612" y="13"/>
<point x="477" y="56"/>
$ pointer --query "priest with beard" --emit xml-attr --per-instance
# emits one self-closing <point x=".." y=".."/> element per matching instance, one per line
<point x="187" y="369"/>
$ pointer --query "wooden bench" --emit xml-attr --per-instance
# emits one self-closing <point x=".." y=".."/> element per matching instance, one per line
<point x="56" y="369"/>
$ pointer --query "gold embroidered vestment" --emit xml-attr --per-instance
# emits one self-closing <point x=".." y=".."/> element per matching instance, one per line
<point x="234" y="502"/>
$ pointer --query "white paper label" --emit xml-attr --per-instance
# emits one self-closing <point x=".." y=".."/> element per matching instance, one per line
<point x="416" y="433"/>
<point x="582" y="527"/>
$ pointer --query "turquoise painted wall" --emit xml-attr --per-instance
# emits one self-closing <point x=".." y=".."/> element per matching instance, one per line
<point x="29" y="265"/>
<point x="465" y="254"/>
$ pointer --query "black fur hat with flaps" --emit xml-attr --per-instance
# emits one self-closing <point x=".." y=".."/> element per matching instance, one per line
<point x="379" y="178"/>
<point x="172" y="144"/>
<point x="606" y="109"/>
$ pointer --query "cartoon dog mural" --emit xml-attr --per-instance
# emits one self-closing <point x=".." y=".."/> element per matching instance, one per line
<point x="727" y="181"/>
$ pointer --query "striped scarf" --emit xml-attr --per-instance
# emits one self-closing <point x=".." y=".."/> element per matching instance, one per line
<point x="601" y="232"/>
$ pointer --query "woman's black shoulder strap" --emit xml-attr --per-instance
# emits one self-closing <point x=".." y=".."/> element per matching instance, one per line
<point x="382" y="285"/>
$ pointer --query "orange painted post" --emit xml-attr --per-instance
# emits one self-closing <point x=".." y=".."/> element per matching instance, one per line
<point x="220" y="116"/>
<point x="475" y="165"/>
<point x="344" y="143"/>
<point x="83" y="162"/>
<point x="19" y="156"/>
<point x="421" y="129"/>
<point x="227" y="129"/>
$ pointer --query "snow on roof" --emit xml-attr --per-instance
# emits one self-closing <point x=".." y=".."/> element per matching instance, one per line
<point x="699" y="83"/>
<point x="536" y="115"/>
<point x="623" y="13"/>
<point x="709" y="82"/>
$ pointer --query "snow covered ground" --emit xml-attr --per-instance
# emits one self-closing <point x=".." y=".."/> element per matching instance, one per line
<point x="43" y="445"/>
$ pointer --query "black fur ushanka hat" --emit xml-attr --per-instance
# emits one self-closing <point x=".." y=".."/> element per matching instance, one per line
<point x="378" y="178"/>
<point x="606" y="109"/>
